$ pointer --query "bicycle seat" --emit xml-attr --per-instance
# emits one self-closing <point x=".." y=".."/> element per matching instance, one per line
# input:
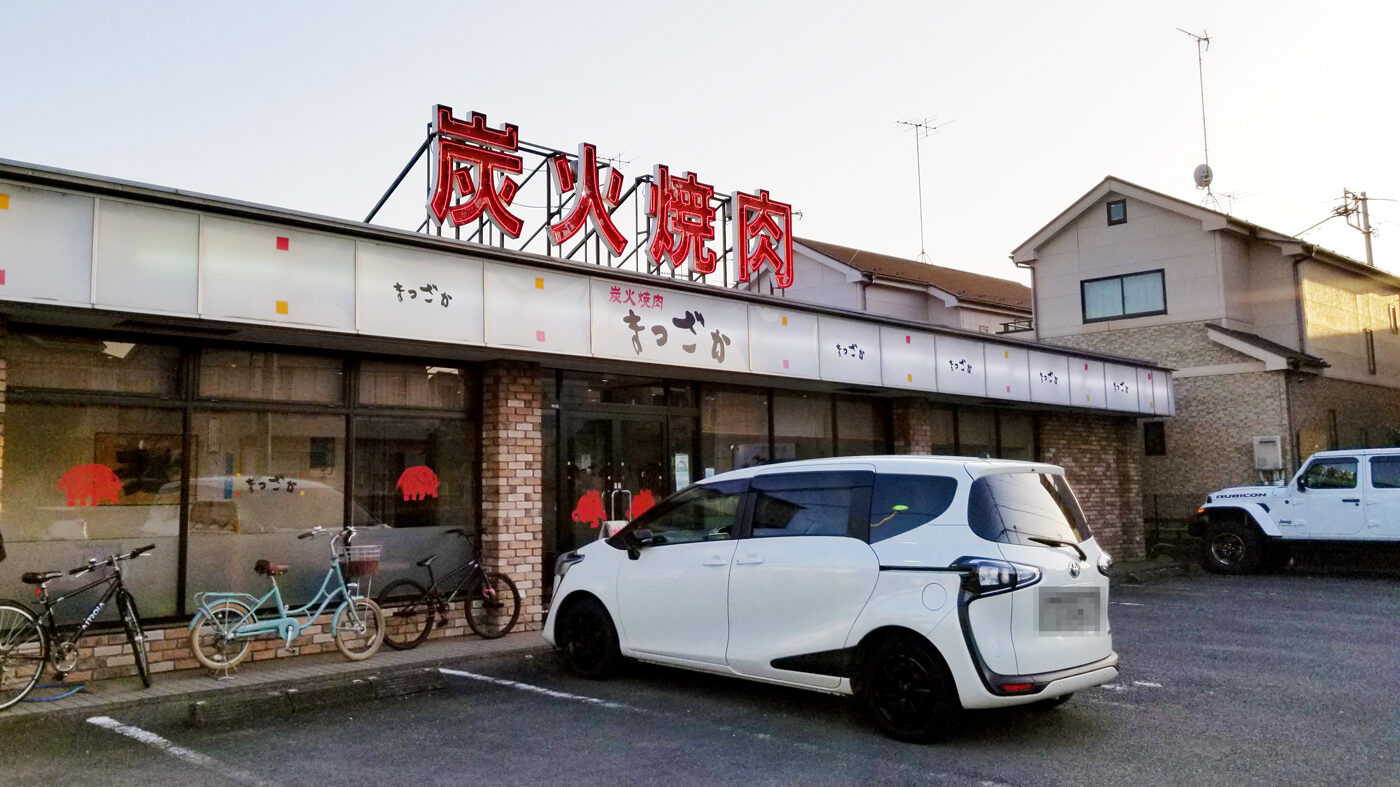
<point x="427" y="561"/>
<point x="39" y="577"/>
<point x="271" y="569"/>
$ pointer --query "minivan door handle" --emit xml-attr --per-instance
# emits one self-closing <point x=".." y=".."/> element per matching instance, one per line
<point x="748" y="560"/>
<point x="715" y="561"/>
<point x="1355" y="500"/>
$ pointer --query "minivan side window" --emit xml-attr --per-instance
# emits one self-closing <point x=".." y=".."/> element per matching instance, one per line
<point x="811" y="504"/>
<point x="1014" y="508"/>
<point x="900" y="503"/>
<point x="704" y="512"/>
<point x="1337" y="473"/>
<point x="1385" y="472"/>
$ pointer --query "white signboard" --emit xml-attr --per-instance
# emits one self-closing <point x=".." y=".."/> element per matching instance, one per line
<point x="1146" y="402"/>
<point x="1162" y="393"/>
<point x="419" y="294"/>
<point x="45" y="245"/>
<point x="1049" y="378"/>
<point x="274" y="274"/>
<point x="960" y="367"/>
<point x="147" y="259"/>
<point x="1086" y="385"/>
<point x="536" y="309"/>
<point x="1008" y="373"/>
<point x="849" y="350"/>
<point x="1121" y="382"/>
<point x="783" y="341"/>
<point x="653" y="325"/>
<point x="907" y="359"/>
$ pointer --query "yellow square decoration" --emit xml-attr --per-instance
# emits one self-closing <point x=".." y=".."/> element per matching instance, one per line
<point x="1008" y="353"/>
<point x="4" y="201"/>
<point x="539" y="283"/>
<point x="911" y="377"/>
<point x="784" y="321"/>
<point x="281" y="307"/>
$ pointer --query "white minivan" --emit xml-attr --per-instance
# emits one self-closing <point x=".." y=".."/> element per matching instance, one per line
<point x="923" y="585"/>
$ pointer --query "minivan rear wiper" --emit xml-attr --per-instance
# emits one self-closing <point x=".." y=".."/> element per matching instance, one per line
<point x="1054" y="542"/>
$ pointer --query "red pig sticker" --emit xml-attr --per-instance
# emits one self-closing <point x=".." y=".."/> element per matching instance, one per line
<point x="645" y="499"/>
<point x="418" y="482"/>
<point x="89" y="485"/>
<point x="590" y="509"/>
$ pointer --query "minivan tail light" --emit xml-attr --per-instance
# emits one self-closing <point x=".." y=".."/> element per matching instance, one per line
<point x="985" y="576"/>
<point x="1017" y="688"/>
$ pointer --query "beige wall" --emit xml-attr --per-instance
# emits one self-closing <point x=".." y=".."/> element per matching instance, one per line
<point x="1338" y="305"/>
<point x="1366" y="415"/>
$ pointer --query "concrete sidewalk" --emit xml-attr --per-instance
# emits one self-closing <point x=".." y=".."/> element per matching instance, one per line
<point x="275" y="686"/>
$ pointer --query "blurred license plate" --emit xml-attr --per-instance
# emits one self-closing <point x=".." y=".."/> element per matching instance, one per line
<point x="1062" y="611"/>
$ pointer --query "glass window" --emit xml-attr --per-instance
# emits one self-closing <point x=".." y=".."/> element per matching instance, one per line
<point x="704" y="512"/>
<point x="1117" y="212"/>
<point x="734" y="430"/>
<point x="281" y="377"/>
<point x="901" y="503"/>
<point x="1016" y="508"/>
<point x="801" y="426"/>
<point x="90" y="364"/>
<point x="811" y="504"/>
<point x="976" y="431"/>
<point x="613" y="389"/>
<point x="861" y="427"/>
<point x="415" y="472"/>
<point x="1103" y="299"/>
<point x="1017" y="432"/>
<point x="412" y="385"/>
<point x="1134" y="295"/>
<point x="1143" y="293"/>
<point x="83" y="481"/>
<point x="1385" y="472"/>
<point x="1337" y="473"/>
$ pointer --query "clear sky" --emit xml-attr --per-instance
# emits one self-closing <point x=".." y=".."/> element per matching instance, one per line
<point x="315" y="106"/>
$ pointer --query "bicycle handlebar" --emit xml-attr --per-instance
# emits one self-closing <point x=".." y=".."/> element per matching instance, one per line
<point x="110" y="560"/>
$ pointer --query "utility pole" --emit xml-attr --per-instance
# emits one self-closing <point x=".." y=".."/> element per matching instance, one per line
<point x="921" y="129"/>
<point x="1354" y="204"/>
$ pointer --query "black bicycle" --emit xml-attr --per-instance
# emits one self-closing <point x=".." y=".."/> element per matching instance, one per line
<point x="491" y="599"/>
<point x="28" y="641"/>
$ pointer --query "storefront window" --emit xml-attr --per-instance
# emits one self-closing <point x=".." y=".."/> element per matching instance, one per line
<point x="412" y="385"/>
<point x="976" y="432"/>
<point x="592" y="388"/>
<point x="944" y="433"/>
<point x="861" y="427"/>
<point x="734" y="430"/>
<point x="90" y="364"/>
<point x="269" y="376"/>
<point x="801" y="426"/>
<point x="416" y="472"/>
<point x="87" y="481"/>
<point x="1017" y="435"/>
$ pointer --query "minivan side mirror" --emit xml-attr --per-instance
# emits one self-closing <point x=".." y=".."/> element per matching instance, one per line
<point x="640" y="538"/>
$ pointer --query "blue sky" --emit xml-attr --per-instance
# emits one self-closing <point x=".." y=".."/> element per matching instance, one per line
<point x="315" y="106"/>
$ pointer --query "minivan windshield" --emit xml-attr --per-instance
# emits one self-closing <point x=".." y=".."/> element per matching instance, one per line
<point x="1016" y="508"/>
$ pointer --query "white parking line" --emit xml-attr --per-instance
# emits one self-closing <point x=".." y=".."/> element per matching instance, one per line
<point x="178" y="752"/>
<point x="559" y="695"/>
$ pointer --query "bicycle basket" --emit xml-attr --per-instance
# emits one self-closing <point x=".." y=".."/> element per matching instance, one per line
<point x="360" y="560"/>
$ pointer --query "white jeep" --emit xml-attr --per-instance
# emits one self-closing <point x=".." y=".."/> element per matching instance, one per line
<point x="1338" y="497"/>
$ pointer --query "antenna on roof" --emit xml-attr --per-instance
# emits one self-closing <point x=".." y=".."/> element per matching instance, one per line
<point x="921" y="129"/>
<point x="1203" y="175"/>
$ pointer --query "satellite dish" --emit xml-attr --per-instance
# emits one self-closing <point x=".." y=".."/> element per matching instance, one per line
<point x="1204" y="176"/>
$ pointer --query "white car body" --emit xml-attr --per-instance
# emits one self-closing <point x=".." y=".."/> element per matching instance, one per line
<point x="795" y="610"/>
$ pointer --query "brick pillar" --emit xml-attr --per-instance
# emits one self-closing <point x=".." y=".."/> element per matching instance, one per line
<point x="1103" y="463"/>
<point x="512" y="460"/>
<point x="913" y="426"/>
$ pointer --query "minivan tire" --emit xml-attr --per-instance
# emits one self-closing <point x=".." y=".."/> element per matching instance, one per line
<point x="1231" y="547"/>
<point x="589" y="640"/>
<point x="906" y="689"/>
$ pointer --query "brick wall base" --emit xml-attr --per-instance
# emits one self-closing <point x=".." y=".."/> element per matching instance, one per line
<point x="1100" y="456"/>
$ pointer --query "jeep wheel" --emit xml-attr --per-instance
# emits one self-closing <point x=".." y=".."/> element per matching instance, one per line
<point x="1231" y="547"/>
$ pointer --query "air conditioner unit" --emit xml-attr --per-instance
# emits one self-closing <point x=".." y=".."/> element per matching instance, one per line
<point x="1268" y="453"/>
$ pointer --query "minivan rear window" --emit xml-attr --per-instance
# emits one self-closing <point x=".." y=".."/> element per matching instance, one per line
<point x="901" y="503"/>
<point x="1014" y="508"/>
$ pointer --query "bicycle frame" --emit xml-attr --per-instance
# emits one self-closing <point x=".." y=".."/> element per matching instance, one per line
<point x="50" y="621"/>
<point x="285" y="623"/>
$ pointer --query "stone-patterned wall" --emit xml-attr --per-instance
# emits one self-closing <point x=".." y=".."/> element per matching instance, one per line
<point x="913" y="426"/>
<point x="1100" y="455"/>
<point x="1177" y="346"/>
<point x="1368" y="416"/>
<point x="512" y="457"/>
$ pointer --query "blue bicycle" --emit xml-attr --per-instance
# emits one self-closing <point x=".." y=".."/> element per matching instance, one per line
<point x="226" y="623"/>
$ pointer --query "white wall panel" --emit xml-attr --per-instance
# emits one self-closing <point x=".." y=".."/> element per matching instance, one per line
<point x="653" y="325"/>
<point x="419" y="294"/>
<point x="1121" y="382"/>
<point x="1146" y="402"/>
<point x="147" y="258"/>
<point x="45" y="245"/>
<point x="960" y="366"/>
<point x="536" y="309"/>
<point x="908" y="359"/>
<point x="849" y="350"/>
<point x="1161" y="393"/>
<point x="275" y="274"/>
<point x="1049" y="378"/>
<point x="1086" y="386"/>
<point x="783" y="341"/>
<point x="1008" y="372"/>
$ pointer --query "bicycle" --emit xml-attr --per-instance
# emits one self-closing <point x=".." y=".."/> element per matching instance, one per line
<point x="492" y="601"/>
<point x="28" y="641"/>
<point x="223" y="628"/>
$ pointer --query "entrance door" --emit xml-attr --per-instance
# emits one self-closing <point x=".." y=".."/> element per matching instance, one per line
<point x="613" y="470"/>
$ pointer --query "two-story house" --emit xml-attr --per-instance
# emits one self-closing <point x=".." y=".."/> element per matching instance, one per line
<point x="1280" y="348"/>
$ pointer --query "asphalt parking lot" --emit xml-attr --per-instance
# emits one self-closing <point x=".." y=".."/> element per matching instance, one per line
<point x="1280" y="679"/>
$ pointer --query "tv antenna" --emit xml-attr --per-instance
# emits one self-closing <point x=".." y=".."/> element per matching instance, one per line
<point x="921" y="129"/>
<point x="1203" y="175"/>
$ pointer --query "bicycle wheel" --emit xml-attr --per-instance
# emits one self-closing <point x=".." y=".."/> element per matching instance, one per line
<point x="213" y="640"/>
<point x="126" y="607"/>
<point x="24" y="647"/>
<point x="359" y="629"/>
<point x="409" y="613"/>
<point x="493" y="605"/>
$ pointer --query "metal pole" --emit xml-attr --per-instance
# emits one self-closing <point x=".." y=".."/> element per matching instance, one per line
<point x="403" y="174"/>
<point x="1366" y="227"/>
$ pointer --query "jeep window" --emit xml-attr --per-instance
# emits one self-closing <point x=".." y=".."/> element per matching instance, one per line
<point x="1385" y="472"/>
<point x="704" y="512"/>
<point x="811" y="504"/>
<point x="1014" y="508"/>
<point x="901" y="503"/>
<point x="1331" y="474"/>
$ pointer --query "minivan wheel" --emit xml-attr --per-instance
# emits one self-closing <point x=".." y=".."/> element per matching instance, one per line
<point x="1231" y="547"/>
<point x="906" y="689"/>
<point x="589" y="640"/>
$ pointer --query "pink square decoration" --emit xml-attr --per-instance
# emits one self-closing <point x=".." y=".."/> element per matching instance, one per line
<point x="283" y="244"/>
<point x="2" y="276"/>
<point x="908" y="339"/>
<point x="539" y="336"/>
<point x="785" y="363"/>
